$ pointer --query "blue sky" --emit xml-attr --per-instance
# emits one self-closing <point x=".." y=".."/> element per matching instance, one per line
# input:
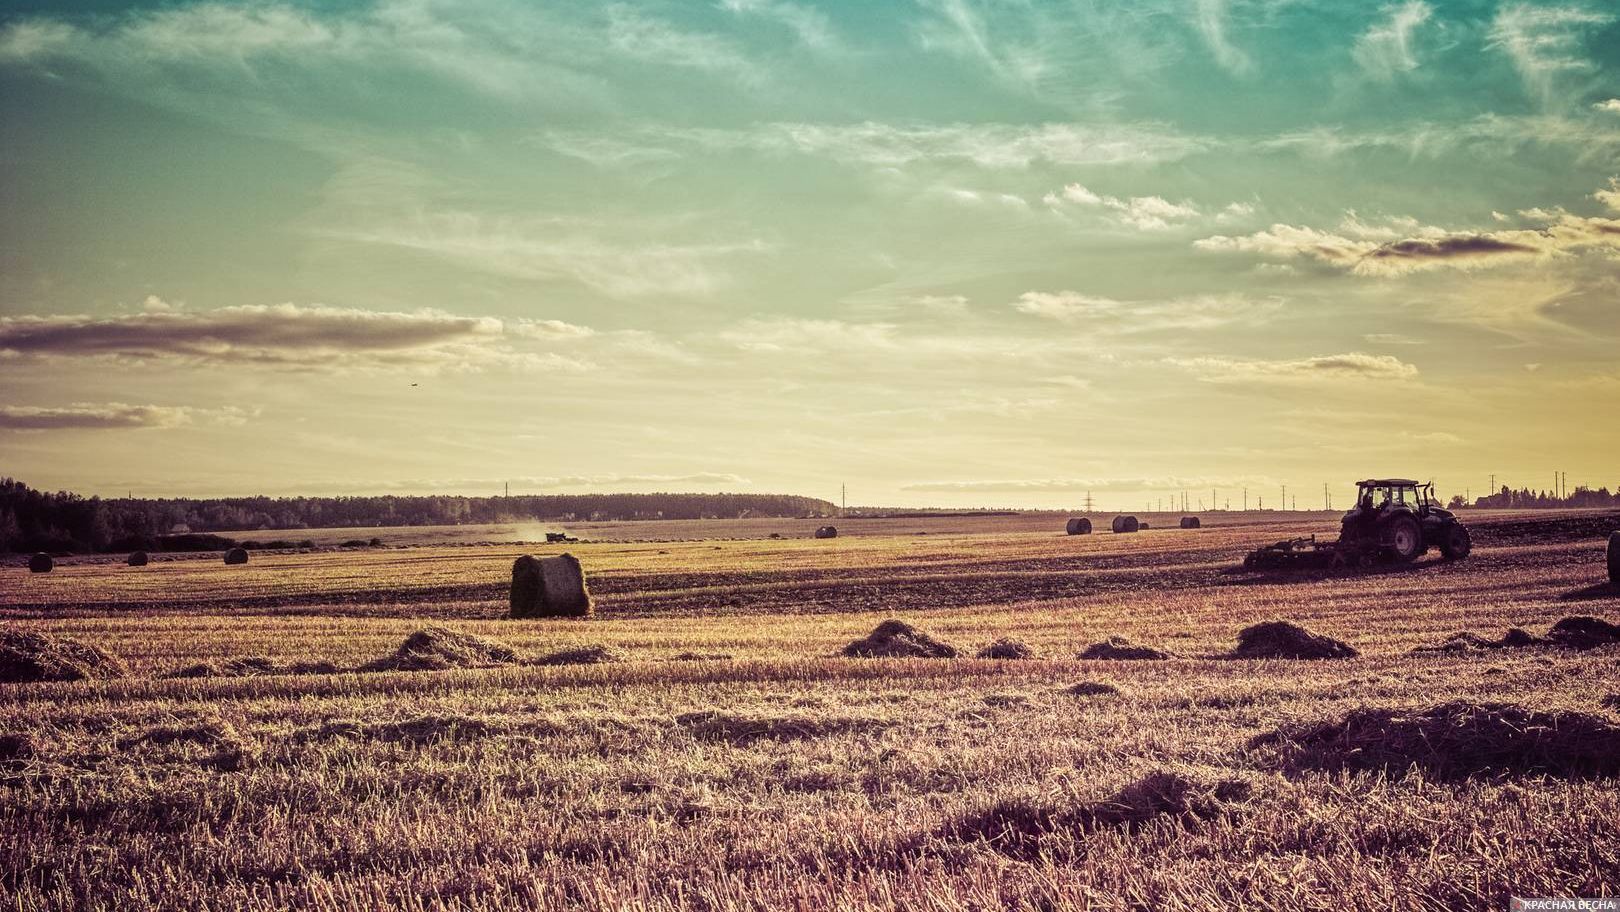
<point x="947" y="252"/>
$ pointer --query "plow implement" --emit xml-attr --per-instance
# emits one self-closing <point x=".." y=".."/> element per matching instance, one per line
<point x="1307" y="554"/>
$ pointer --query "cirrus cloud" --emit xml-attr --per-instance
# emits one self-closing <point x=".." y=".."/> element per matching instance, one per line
<point x="111" y="416"/>
<point x="1349" y="365"/>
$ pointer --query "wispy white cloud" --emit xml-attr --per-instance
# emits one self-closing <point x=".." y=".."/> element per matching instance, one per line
<point x="1350" y="365"/>
<point x="809" y="24"/>
<point x="1109" y="316"/>
<point x="655" y="41"/>
<point x="1608" y="106"/>
<point x="1144" y="213"/>
<point x="1101" y="484"/>
<point x="1545" y="42"/>
<point x="1212" y="21"/>
<point x="1386" y="50"/>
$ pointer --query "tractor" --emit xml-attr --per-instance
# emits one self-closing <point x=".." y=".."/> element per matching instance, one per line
<point x="1395" y="519"/>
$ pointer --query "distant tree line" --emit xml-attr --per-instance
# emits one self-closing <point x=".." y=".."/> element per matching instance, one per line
<point x="1524" y="498"/>
<point x="33" y="520"/>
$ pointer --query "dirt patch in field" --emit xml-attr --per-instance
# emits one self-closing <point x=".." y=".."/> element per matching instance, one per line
<point x="1017" y="827"/>
<point x="27" y="657"/>
<point x="715" y="726"/>
<point x="1007" y="649"/>
<point x="594" y="654"/>
<point x="1453" y="741"/>
<point x="250" y="667"/>
<point x="1284" y="640"/>
<point x="897" y="639"/>
<point x="439" y="648"/>
<point x="1119" y="648"/>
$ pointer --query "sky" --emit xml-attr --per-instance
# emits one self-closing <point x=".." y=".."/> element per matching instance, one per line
<point x="945" y="252"/>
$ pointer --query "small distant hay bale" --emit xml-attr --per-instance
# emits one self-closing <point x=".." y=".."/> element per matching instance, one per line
<point x="27" y="657"/>
<point x="1124" y="524"/>
<point x="549" y="587"/>
<point x="439" y="648"/>
<point x="827" y="532"/>
<point x="1093" y="689"/>
<point x="1119" y="648"/>
<point x="593" y="654"/>
<point x="1190" y="522"/>
<point x="897" y="639"/>
<point x="1007" y="649"/>
<point x="1078" y="525"/>
<point x="236" y="556"/>
<point x="1143" y="527"/>
<point x="137" y="559"/>
<point x="1583" y="632"/>
<point x="41" y="563"/>
<point x="1454" y="740"/>
<point x="1284" y="640"/>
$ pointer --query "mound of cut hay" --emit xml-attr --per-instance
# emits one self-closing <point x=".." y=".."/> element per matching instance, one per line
<point x="41" y="563"/>
<point x="712" y="725"/>
<point x="1016" y="827"/>
<point x="1582" y="632"/>
<point x="1007" y="649"/>
<point x="137" y="559"/>
<point x="594" y="654"/>
<point x="251" y="667"/>
<point x="1467" y="641"/>
<point x="1456" y="740"/>
<point x="26" y="657"/>
<point x="439" y="648"/>
<point x="1283" y="640"/>
<point x="897" y="639"/>
<point x="1117" y="647"/>
<point x="1093" y="689"/>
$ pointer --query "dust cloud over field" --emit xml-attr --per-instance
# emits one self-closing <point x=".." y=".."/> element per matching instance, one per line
<point x="702" y="743"/>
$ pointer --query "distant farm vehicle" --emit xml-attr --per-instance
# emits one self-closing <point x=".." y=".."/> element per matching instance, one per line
<point x="553" y="538"/>
<point x="1394" y="520"/>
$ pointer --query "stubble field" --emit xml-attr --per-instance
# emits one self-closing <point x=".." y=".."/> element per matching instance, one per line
<point x="732" y="759"/>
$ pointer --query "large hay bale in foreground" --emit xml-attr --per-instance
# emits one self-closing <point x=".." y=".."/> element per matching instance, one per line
<point x="1614" y="558"/>
<point x="1455" y="740"/>
<point x="1117" y="647"/>
<point x="1283" y="640"/>
<point x="897" y="639"/>
<point x="26" y="657"/>
<point x="1126" y="524"/>
<point x="439" y="648"/>
<point x="41" y="563"/>
<point x="137" y="559"/>
<point x="1190" y="522"/>
<point x="827" y="532"/>
<point x="236" y="556"/>
<point x="1078" y="525"/>
<point x="1005" y="648"/>
<point x="549" y="587"/>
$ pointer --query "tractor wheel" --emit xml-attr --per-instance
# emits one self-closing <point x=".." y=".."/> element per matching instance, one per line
<point x="1456" y="543"/>
<point x="1406" y="538"/>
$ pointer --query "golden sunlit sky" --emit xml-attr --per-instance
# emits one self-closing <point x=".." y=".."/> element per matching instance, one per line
<point x="945" y="252"/>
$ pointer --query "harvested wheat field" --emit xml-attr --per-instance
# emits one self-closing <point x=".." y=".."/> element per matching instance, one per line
<point x="343" y="729"/>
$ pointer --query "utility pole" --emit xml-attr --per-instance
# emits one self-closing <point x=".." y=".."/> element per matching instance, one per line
<point x="1493" y="482"/>
<point x="1212" y="500"/>
<point x="509" y="489"/>
<point x="1245" y="500"/>
<point x="1088" y="501"/>
<point x="843" y="497"/>
<point x="1285" y="498"/>
<point x="1327" y="502"/>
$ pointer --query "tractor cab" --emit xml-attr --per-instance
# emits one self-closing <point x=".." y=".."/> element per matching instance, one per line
<point x="1401" y="517"/>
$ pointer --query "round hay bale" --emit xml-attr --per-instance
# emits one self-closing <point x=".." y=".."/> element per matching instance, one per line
<point x="1614" y="558"/>
<point x="549" y="587"/>
<point x="1007" y="649"/>
<point x="1079" y="525"/>
<point x="897" y="639"/>
<point x="138" y="559"/>
<point x="1283" y="640"/>
<point x="827" y="532"/>
<point x="1126" y="524"/>
<point x="236" y="556"/>
<point x="1190" y="522"/>
<point x="41" y="563"/>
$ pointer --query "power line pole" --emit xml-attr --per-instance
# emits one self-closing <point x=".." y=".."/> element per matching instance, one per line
<point x="1285" y="498"/>
<point x="843" y="496"/>
<point x="1245" y="500"/>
